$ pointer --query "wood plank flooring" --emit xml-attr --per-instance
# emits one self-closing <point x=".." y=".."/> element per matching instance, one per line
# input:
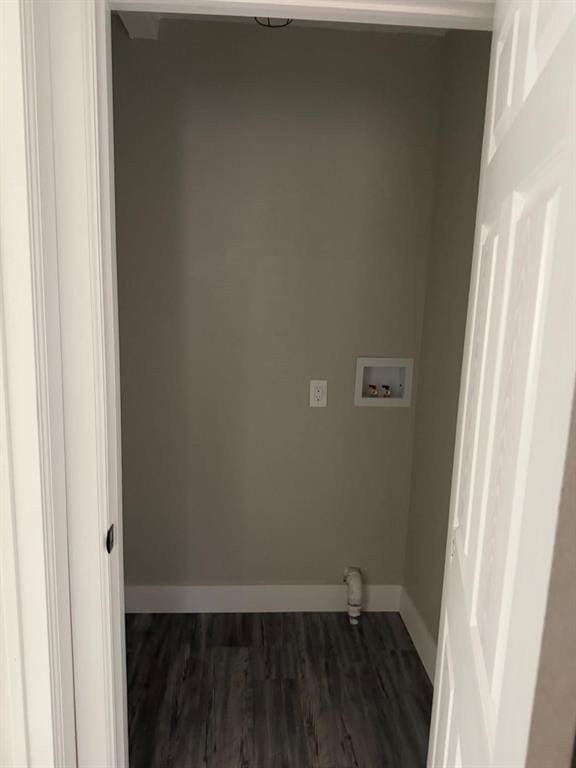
<point x="275" y="691"/>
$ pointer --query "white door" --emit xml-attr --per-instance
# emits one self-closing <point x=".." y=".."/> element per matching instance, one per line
<point x="516" y="394"/>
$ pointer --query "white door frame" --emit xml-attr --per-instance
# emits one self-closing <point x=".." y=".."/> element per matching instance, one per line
<point x="37" y="724"/>
<point x="59" y="383"/>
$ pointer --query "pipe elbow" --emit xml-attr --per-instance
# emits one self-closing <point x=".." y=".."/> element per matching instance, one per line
<point x="353" y="580"/>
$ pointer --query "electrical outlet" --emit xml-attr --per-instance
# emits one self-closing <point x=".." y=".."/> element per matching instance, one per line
<point x="318" y="393"/>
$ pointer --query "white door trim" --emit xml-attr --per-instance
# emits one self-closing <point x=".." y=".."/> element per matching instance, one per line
<point x="80" y="63"/>
<point x="442" y="14"/>
<point x="37" y="723"/>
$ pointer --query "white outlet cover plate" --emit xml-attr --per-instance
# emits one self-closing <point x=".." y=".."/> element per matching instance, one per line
<point x="318" y="393"/>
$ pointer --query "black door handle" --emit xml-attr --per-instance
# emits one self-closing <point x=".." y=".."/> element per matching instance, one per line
<point x="110" y="539"/>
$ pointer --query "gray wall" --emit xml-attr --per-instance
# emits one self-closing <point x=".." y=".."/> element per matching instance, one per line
<point x="274" y="210"/>
<point x="466" y="60"/>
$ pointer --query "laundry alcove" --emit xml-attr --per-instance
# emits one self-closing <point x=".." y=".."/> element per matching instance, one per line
<point x="292" y="205"/>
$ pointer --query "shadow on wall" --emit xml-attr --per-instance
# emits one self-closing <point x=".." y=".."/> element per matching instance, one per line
<point x="466" y="63"/>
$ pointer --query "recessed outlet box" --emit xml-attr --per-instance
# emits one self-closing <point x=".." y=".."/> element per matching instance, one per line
<point x="383" y="382"/>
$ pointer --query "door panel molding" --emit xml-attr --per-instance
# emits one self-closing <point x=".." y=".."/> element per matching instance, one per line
<point x="517" y="386"/>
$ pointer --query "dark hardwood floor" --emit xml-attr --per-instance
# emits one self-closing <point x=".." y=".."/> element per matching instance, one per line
<point x="275" y="691"/>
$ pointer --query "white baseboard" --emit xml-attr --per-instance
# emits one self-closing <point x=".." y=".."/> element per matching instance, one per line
<point x="275" y="598"/>
<point x="418" y="631"/>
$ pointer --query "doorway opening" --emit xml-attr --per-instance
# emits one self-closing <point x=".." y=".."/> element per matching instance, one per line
<point x="289" y="202"/>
